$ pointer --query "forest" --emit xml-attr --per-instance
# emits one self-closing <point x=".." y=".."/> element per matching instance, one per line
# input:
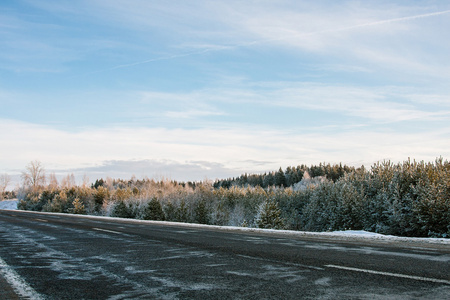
<point x="404" y="199"/>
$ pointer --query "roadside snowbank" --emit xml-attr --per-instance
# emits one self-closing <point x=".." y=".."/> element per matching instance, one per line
<point x="8" y="204"/>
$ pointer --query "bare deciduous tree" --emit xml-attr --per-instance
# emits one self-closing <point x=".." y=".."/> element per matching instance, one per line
<point x="85" y="181"/>
<point x="4" y="181"/>
<point x="68" y="181"/>
<point x="34" y="175"/>
<point x="53" y="182"/>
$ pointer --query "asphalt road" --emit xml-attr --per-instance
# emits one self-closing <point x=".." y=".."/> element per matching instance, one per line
<point x="69" y="257"/>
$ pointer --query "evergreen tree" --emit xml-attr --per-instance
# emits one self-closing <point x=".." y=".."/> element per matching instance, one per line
<point x="100" y="196"/>
<point x="201" y="212"/>
<point x="98" y="183"/>
<point x="269" y="216"/>
<point x="78" y="207"/>
<point x="182" y="212"/>
<point x="279" y="178"/>
<point x="268" y="180"/>
<point x="170" y="212"/>
<point x="289" y="176"/>
<point x="121" y="210"/>
<point x="154" y="211"/>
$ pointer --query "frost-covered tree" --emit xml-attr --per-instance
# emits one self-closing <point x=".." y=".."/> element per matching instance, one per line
<point x="154" y="211"/>
<point x="268" y="180"/>
<point x="53" y="182"/>
<point x="34" y="175"/>
<point x="170" y="211"/>
<point x="309" y="182"/>
<point x="68" y="181"/>
<point x="321" y="211"/>
<point x="182" y="212"/>
<point x="100" y="197"/>
<point x="59" y="203"/>
<point x="121" y="210"/>
<point x="279" y="178"/>
<point x="269" y="216"/>
<point x="201" y="212"/>
<point x="78" y="207"/>
<point x="4" y="181"/>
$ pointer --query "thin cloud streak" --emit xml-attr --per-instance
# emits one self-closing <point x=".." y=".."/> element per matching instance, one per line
<point x="161" y="58"/>
<point x="265" y="41"/>
<point x="346" y="28"/>
<point x="380" y="104"/>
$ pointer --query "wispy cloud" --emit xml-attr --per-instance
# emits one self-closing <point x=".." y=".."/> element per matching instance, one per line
<point x="192" y="113"/>
<point x="157" y="169"/>
<point x="375" y="104"/>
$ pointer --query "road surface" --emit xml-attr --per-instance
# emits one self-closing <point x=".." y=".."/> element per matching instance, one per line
<point x="55" y="256"/>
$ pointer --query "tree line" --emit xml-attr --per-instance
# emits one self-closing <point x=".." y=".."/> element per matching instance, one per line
<point x="405" y="199"/>
<point x="286" y="178"/>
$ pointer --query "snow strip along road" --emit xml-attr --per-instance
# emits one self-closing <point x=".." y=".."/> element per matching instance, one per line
<point x="56" y="256"/>
<point x="17" y="283"/>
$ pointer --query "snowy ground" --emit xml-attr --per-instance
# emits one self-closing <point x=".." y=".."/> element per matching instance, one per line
<point x="8" y="204"/>
<point x="340" y="235"/>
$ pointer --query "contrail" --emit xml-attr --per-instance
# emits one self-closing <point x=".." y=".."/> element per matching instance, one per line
<point x="348" y="27"/>
<point x="159" y="59"/>
<point x="396" y="20"/>
<point x="169" y="57"/>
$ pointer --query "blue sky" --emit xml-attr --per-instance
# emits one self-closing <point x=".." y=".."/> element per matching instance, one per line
<point x="211" y="89"/>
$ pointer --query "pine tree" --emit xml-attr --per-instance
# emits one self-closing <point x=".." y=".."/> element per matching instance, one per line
<point x="269" y="216"/>
<point x="153" y="211"/>
<point x="268" y="180"/>
<point x="201" y="213"/>
<point x="78" y="207"/>
<point x="182" y="212"/>
<point x="170" y="212"/>
<point x="279" y="178"/>
<point x="100" y="195"/>
<point x="121" y="210"/>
